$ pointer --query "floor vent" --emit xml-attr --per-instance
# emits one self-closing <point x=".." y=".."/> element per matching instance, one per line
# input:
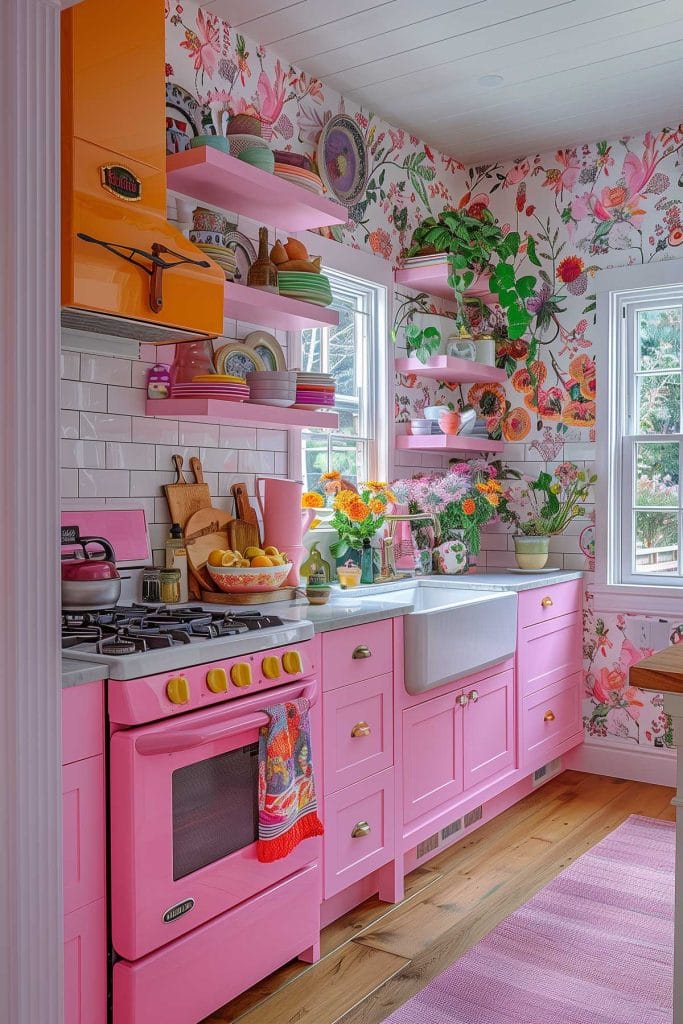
<point x="547" y="771"/>
<point x="451" y="829"/>
<point x="427" y="846"/>
<point x="473" y="816"/>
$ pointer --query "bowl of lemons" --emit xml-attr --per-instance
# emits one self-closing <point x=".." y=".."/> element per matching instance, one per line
<point x="256" y="570"/>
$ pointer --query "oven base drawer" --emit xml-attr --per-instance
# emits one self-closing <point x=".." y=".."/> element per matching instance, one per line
<point x="197" y="974"/>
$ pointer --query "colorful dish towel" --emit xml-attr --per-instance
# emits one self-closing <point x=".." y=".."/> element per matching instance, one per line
<point x="286" y="792"/>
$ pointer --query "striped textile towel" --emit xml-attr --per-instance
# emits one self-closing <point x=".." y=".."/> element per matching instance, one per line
<point x="287" y="809"/>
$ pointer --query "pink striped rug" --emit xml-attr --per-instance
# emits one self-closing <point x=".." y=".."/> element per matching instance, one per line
<point x="593" y="947"/>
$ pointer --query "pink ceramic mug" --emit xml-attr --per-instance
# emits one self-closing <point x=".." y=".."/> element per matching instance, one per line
<point x="449" y="421"/>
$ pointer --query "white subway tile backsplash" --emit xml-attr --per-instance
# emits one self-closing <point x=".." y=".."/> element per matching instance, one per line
<point x="164" y="458"/>
<point x="103" y="483"/>
<point x="158" y="535"/>
<point x="125" y="455"/>
<point x="161" y="514"/>
<point x="150" y="430"/>
<point x="71" y="366"/>
<point x="271" y="440"/>
<point x="130" y="401"/>
<point x="220" y="460"/>
<point x="148" y="483"/>
<point x="227" y="480"/>
<point x="83" y="454"/>
<point x="256" y="462"/>
<point x="69" y="483"/>
<point x="105" y="427"/>
<point x="237" y="437"/>
<point x="281" y="464"/>
<point x="70" y="424"/>
<point x="204" y="435"/>
<point x="105" y="370"/>
<point x="139" y="373"/>
<point x="80" y="395"/>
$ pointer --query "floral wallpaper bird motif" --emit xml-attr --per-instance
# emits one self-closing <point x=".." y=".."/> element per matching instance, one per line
<point x="579" y="210"/>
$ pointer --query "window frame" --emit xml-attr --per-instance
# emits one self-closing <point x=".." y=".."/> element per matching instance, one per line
<point x="616" y="586"/>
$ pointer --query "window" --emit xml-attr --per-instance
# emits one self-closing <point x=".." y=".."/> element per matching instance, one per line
<point x="353" y="353"/>
<point x="641" y="401"/>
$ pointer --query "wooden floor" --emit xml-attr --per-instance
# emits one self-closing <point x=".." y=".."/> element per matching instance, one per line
<point x="378" y="956"/>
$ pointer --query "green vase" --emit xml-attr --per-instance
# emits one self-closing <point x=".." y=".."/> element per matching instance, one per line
<point x="531" y="552"/>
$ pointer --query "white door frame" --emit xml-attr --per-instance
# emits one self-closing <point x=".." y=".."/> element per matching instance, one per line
<point x="31" y="922"/>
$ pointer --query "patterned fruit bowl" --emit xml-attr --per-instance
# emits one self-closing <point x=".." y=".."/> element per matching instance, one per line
<point x="260" y="580"/>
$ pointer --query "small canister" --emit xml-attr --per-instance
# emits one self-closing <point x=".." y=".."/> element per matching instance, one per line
<point x="170" y="585"/>
<point x="151" y="587"/>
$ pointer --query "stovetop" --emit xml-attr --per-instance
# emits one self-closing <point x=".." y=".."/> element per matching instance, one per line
<point x="136" y="640"/>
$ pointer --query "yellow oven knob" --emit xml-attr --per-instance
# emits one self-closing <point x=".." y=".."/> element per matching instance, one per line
<point x="178" y="690"/>
<point x="271" y="667"/>
<point x="241" y="674"/>
<point x="217" y="680"/>
<point x="292" y="663"/>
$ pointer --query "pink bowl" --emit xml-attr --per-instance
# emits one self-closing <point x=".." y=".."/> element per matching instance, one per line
<point x="260" y="580"/>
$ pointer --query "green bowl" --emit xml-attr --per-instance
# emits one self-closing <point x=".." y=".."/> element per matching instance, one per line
<point x="262" y="158"/>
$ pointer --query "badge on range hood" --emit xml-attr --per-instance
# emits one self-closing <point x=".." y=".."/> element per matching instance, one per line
<point x="121" y="182"/>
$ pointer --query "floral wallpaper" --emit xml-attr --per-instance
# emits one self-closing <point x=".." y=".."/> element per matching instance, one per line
<point x="577" y="211"/>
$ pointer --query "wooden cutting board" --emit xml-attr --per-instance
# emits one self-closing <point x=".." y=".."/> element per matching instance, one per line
<point x="246" y="511"/>
<point x="242" y="535"/>
<point x="183" y="498"/>
<point x="205" y="530"/>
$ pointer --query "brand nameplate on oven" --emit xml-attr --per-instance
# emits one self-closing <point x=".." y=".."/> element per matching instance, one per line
<point x="121" y="182"/>
<point x="173" y="913"/>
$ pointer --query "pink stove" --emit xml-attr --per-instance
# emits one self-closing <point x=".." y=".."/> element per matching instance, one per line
<point x="195" y="917"/>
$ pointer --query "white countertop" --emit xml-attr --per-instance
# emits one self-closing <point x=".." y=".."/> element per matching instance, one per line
<point x="514" y="581"/>
<point x="75" y="673"/>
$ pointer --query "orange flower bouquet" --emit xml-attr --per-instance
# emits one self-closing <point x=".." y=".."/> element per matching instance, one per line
<point x="358" y="516"/>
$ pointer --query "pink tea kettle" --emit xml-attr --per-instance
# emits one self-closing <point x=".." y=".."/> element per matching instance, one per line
<point x="89" y="583"/>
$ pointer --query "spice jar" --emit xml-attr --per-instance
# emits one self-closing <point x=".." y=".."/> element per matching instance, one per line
<point x="170" y="585"/>
<point x="151" y="587"/>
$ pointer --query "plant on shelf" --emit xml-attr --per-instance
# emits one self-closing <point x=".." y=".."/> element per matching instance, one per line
<point x="422" y="342"/>
<point x="357" y="515"/>
<point x="545" y="507"/>
<point x="476" y="246"/>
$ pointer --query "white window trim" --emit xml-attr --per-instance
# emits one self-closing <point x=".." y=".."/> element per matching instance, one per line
<point x="378" y="272"/>
<point x="613" y="288"/>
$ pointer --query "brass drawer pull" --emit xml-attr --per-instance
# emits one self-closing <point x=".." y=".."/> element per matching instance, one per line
<point x="360" y="829"/>
<point x="549" y="716"/>
<point x="361" y="729"/>
<point x="546" y="602"/>
<point x="462" y="699"/>
<point x="362" y="651"/>
<point x="473" y="696"/>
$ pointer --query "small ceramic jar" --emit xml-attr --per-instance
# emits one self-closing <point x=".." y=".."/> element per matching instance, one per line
<point x="348" y="575"/>
<point x="449" y="421"/>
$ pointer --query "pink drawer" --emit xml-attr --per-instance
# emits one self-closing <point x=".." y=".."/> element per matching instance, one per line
<point x="358" y="831"/>
<point x="552" y="718"/>
<point x="546" y="603"/>
<point x="82" y="721"/>
<point x="359" y="652"/>
<point x="358" y="735"/>
<point x="549" y="651"/>
<point x="85" y="965"/>
<point x="83" y="832"/>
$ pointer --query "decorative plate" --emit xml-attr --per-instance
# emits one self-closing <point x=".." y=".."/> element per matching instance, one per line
<point x="183" y="118"/>
<point x="244" y="251"/>
<point x="237" y="360"/>
<point x="268" y="349"/>
<point x="343" y="159"/>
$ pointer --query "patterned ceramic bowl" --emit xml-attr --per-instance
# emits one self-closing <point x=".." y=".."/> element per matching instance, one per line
<point x="209" y="220"/>
<point x="239" y="143"/>
<point x="244" y="581"/>
<point x="244" y="124"/>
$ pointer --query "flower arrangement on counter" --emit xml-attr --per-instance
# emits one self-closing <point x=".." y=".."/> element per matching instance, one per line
<point x="469" y="495"/>
<point x="547" y="506"/>
<point x="357" y="515"/>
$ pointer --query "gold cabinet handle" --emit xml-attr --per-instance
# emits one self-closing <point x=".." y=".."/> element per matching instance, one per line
<point x="546" y="602"/>
<point x="361" y="729"/>
<point x="462" y="700"/>
<point x="473" y="695"/>
<point x="362" y="651"/>
<point x="360" y="829"/>
<point x="549" y="716"/>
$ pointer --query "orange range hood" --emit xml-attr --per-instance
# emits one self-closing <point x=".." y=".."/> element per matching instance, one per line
<point x="125" y="270"/>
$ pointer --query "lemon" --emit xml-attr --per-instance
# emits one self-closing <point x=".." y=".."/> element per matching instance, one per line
<point x="216" y="557"/>
<point x="228" y="559"/>
<point x="253" y="552"/>
<point x="271" y="551"/>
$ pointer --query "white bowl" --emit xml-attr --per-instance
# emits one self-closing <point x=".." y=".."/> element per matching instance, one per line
<point x="432" y="412"/>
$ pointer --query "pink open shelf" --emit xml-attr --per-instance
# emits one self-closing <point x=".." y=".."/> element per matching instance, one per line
<point x="452" y="368"/>
<point x="447" y="443"/>
<point x="240" y="412"/>
<point x="222" y="180"/>
<point x="268" y="309"/>
<point x="433" y="279"/>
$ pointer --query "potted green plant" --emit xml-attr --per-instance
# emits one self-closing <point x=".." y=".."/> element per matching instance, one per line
<point x="546" y="506"/>
<point x="475" y="247"/>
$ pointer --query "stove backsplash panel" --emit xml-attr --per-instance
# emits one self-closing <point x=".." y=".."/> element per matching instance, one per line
<point x="111" y="452"/>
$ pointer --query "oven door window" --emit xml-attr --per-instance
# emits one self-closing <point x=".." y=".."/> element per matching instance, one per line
<point x="215" y="809"/>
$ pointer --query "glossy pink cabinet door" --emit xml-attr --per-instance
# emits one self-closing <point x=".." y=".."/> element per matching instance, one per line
<point x="549" y="651"/>
<point x="489" y="729"/>
<point x="432" y="755"/>
<point x="83" y="832"/>
<point x="85" y="965"/>
<point x="359" y="831"/>
<point x="359" y="732"/>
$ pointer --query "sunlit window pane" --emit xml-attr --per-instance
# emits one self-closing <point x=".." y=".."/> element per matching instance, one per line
<point x="657" y="467"/>
<point x="659" y="399"/>
<point x="656" y="543"/>
<point x="659" y="338"/>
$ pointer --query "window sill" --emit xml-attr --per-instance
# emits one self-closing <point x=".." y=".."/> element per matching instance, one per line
<point x="622" y="597"/>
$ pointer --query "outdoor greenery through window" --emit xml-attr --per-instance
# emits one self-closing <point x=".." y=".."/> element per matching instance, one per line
<point x="653" y="514"/>
<point x="349" y="353"/>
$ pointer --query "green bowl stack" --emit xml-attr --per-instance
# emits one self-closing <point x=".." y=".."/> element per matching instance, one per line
<point x="307" y="287"/>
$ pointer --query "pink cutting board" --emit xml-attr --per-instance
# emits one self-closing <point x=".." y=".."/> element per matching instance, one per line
<point x="124" y="528"/>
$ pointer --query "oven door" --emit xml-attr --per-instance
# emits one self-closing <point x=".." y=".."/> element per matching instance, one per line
<point x="184" y="819"/>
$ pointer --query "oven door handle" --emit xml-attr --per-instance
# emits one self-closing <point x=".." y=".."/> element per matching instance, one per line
<point x="170" y="740"/>
<point x="171" y="743"/>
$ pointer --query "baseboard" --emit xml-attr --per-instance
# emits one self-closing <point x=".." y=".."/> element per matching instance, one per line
<point x="641" y="764"/>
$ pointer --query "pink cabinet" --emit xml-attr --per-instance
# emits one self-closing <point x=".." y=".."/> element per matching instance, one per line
<point x="489" y="729"/>
<point x="359" y="732"/>
<point x="83" y="815"/>
<point x="359" y="831"/>
<point x="549" y="651"/>
<point x="551" y="721"/>
<point x="359" y="652"/>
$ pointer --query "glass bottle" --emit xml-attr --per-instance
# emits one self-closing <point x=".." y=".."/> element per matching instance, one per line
<point x="170" y="585"/>
<point x="367" y="567"/>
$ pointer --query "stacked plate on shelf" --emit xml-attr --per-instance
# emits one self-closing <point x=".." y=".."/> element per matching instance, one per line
<point x="298" y="284"/>
<point x="214" y="385"/>
<point x="273" y="387"/>
<point x="315" y="390"/>
<point x="224" y="257"/>
<point x="300" y="176"/>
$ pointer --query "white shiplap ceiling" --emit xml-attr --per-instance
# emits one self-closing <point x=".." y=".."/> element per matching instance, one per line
<point x="572" y="70"/>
